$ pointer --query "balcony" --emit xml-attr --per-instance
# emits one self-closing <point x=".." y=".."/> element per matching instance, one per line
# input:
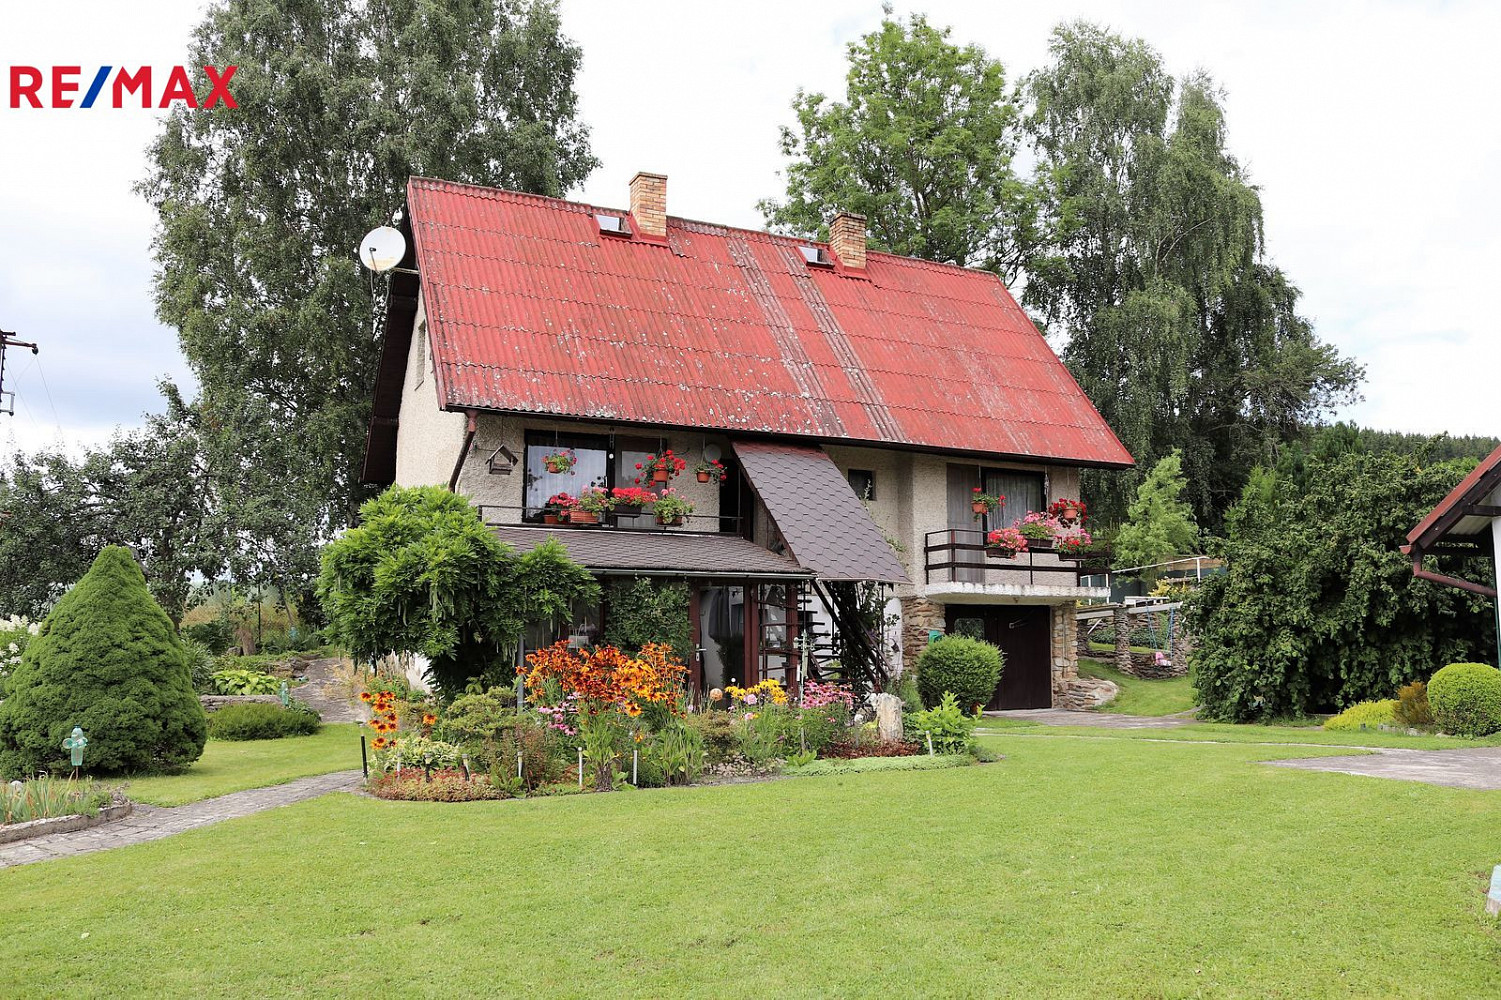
<point x="957" y="565"/>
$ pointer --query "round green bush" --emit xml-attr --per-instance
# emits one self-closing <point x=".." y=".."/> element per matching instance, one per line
<point x="1364" y="715"/>
<point x="107" y="659"/>
<point x="1466" y="699"/>
<point x="969" y="668"/>
<point x="261" y="721"/>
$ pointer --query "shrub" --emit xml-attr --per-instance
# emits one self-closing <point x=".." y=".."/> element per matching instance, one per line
<point x="262" y="721"/>
<point x="1466" y="699"/>
<point x="107" y="659"/>
<point x="241" y="681"/>
<point x="1365" y="715"/>
<point x="478" y="717"/>
<point x="947" y="726"/>
<point x="419" y="754"/>
<point x="967" y="668"/>
<point x="1345" y="620"/>
<point x="200" y="665"/>
<point x="644" y="611"/>
<point x="216" y="635"/>
<point x="540" y="761"/>
<point x="717" y="734"/>
<point x="442" y="786"/>
<point x="677" y="751"/>
<point x="922" y="762"/>
<point x="1412" y="705"/>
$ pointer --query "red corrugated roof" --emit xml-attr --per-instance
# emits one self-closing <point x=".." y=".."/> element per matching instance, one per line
<point x="530" y="308"/>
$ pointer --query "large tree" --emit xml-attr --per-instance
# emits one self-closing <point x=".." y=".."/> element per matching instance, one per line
<point x="922" y="146"/>
<point x="1318" y="608"/>
<point x="261" y="208"/>
<point x="422" y="574"/>
<point x="151" y="489"/>
<point x="1180" y="330"/>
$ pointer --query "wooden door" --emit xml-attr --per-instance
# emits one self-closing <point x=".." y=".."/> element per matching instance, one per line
<point x="1023" y="634"/>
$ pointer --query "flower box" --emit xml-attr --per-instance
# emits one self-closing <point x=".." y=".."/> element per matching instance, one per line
<point x="583" y="517"/>
<point x="670" y="522"/>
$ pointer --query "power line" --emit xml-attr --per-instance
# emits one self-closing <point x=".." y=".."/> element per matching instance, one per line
<point x="7" y="398"/>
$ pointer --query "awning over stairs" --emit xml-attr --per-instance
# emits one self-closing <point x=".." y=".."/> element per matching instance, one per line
<point x="826" y="527"/>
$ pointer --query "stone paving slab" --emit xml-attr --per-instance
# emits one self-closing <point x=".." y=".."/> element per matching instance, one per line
<point x="154" y="823"/>
<point x="1478" y="769"/>
<point x="326" y="695"/>
<point x="1103" y="720"/>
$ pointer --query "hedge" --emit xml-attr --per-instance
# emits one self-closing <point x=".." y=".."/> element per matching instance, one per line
<point x="1466" y="699"/>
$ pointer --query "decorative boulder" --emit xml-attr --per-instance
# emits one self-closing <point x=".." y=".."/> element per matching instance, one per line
<point x="888" y="709"/>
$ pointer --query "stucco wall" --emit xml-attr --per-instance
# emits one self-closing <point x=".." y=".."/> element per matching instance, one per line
<point x="912" y="499"/>
<point x="427" y="438"/>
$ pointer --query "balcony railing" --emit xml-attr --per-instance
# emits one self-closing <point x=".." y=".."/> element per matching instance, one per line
<point x="959" y="555"/>
<point x="501" y="515"/>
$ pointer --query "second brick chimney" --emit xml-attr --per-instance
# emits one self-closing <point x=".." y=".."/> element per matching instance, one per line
<point x="847" y="239"/>
<point x="649" y="203"/>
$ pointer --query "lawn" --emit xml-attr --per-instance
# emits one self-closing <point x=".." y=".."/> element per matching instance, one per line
<point x="1142" y="697"/>
<point x="1227" y="733"/>
<point x="228" y="766"/>
<point x="1074" y="868"/>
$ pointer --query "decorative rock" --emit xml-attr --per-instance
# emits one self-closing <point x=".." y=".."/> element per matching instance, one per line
<point x="888" y="716"/>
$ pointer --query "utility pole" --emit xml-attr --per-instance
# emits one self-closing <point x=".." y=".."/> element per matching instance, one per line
<point x="7" y="398"/>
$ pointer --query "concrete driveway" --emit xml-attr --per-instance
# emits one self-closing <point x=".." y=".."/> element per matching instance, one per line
<point x="1478" y="769"/>
<point x="1104" y="720"/>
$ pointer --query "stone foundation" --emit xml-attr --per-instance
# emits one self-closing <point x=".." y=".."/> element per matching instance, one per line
<point x="919" y="616"/>
<point x="1064" y="648"/>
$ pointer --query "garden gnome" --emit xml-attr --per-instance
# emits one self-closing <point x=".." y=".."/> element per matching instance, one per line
<point x="888" y="716"/>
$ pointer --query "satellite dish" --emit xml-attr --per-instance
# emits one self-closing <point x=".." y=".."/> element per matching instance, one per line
<point x="382" y="249"/>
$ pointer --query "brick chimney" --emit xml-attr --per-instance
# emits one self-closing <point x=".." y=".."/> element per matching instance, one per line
<point x="649" y="203"/>
<point x="847" y="239"/>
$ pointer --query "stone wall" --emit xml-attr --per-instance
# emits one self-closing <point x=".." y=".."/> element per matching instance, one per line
<point x="1064" y="647"/>
<point x="213" y="702"/>
<point x="919" y="615"/>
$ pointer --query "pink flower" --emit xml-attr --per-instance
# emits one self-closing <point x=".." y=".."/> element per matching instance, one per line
<point x="750" y="699"/>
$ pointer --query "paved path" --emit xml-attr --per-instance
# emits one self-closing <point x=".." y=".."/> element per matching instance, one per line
<point x="1103" y="720"/>
<point x="153" y="823"/>
<point x="1479" y="769"/>
<point x="326" y="693"/>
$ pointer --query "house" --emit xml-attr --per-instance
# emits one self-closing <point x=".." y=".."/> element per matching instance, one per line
<point x="855" y="400"/>
<point x="1466" y="524"/>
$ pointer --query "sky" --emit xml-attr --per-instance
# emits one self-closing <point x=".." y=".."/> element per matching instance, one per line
<point x="1369" y="128"/>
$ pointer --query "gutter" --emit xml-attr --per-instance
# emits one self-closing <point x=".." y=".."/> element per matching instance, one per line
<point x="471" y="426"/>
<point x="1448" y="581"/>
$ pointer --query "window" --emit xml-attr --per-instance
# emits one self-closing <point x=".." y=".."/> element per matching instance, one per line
<point x="613" y="225"/>
<point x="590" y="467"/>
<point x="817" y="256"/>
<point x="863" y="482"/>
<point x="1022" y="490"/>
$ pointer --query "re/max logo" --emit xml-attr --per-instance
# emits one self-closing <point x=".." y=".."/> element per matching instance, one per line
<point x="60" y="85"/>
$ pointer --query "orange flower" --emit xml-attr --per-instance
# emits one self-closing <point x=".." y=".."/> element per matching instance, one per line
<point x="364" y="696"/>
<point x="429" y="719"/>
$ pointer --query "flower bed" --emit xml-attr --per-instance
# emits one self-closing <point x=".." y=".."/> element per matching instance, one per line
<point x="599" y="719"/>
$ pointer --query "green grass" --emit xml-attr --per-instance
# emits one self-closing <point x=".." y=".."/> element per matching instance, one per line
<point x="1074" y="868"/>
<point x="234" y="766"/>
<point x="1227" y="733"/>
<point x="1142" y="697"/>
